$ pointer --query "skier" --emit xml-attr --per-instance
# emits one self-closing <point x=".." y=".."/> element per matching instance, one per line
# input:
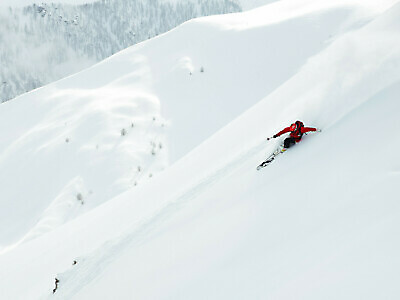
<point x="296" y="130"/>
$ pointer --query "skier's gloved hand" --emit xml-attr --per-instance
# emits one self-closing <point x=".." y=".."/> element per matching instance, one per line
<point x="275" y="136"/>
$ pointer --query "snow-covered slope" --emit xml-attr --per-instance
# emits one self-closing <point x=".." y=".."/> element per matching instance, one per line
<point x="200" y="86"/>
<point x="320" y="223"/>
<point x="66" y="150"/>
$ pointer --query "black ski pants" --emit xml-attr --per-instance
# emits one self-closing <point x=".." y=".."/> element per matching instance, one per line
<point x="288" y="142"/>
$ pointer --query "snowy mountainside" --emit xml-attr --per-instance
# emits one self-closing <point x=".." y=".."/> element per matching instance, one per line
<point x="320" y="223"/>
<point x="237" y="233"/>
<point x="246" y="4"/>
<point x="44" y="42"/>
<point x="178" y="75"/>
<point x="22" y="3"/>
<point x="72" y="149"/>
<point x="251" y="4"/>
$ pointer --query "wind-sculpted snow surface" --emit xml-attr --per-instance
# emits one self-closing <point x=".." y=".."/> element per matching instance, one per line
<point x="322" y="222"/>
<point x="71" y="149"/>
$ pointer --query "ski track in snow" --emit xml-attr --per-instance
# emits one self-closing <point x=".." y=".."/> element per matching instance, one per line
<point x="93" y="265"/>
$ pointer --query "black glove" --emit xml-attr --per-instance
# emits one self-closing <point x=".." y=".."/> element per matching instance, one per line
<point x="275" y="136"/>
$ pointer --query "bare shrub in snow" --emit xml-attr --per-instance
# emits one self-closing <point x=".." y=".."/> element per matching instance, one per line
<point x="56" y="282"/>
<point x="79" y="197"/>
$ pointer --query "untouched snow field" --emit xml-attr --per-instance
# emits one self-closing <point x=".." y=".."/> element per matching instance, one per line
<point x="321" y="222"/>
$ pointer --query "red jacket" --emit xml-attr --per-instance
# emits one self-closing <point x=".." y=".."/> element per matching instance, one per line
<point x="295" y="134"/>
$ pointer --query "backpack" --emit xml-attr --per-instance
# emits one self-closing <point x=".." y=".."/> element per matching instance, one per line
<point x="299" y="126"/>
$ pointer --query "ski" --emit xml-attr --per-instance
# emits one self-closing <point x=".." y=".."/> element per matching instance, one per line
<point x="271" y="158"/>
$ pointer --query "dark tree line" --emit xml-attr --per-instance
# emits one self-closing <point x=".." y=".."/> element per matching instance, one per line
<point x="43" y="43"/>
